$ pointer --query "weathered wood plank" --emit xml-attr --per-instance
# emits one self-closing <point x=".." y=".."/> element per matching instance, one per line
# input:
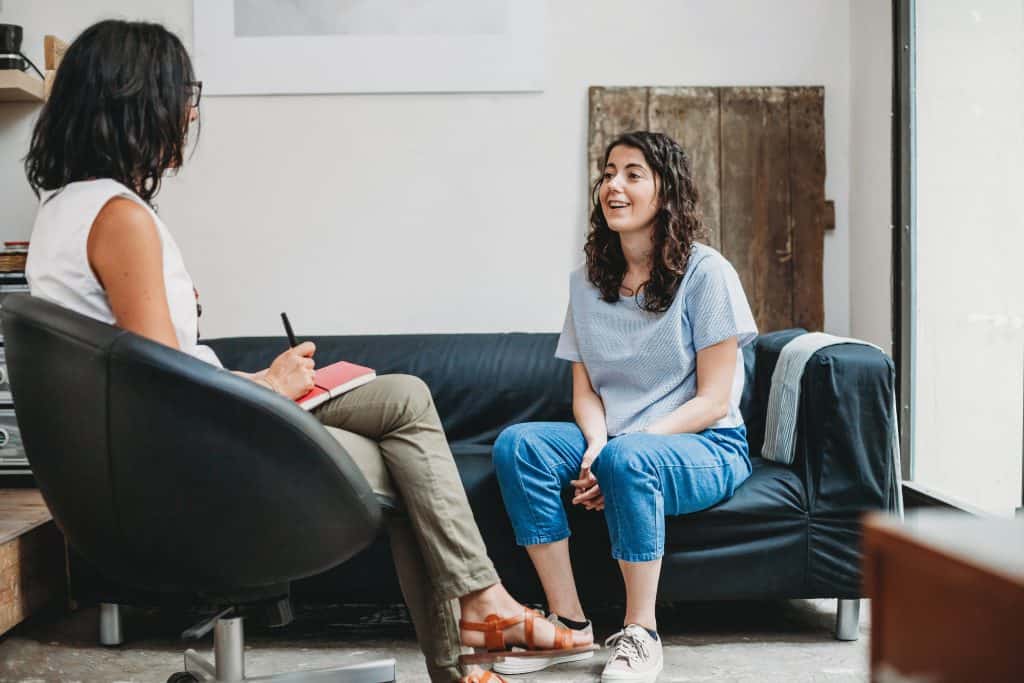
<point x="808" y="213"/>
<point x="613" y="111"/>
<point x="755" y="200"/>
<point x="691" y="117"/>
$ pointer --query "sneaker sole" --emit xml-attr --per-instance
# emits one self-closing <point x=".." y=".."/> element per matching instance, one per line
<point x="626" y="677"/>
<point x="523" y="665"/>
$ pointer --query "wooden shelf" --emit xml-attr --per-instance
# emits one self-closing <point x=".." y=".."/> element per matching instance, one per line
<point x="17" y="86"/>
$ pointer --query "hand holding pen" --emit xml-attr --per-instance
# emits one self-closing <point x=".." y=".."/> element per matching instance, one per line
<point x="291" y="373"/>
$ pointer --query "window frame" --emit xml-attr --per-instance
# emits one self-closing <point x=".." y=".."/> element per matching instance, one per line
<point x="903" y="222"/>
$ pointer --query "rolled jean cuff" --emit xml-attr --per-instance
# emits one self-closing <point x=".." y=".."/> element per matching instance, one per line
<point x="537" y="539"/>
<point x="483" y="577"/>
<point x="638" y="557"/>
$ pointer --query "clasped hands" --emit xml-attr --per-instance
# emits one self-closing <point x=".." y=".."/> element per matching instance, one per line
<point x="586" y="491"/>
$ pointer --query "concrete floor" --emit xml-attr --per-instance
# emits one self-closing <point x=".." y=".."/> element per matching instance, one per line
<point x="750" y="642"/>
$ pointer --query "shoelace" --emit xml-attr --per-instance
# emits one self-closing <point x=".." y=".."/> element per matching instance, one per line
<point x="628" y="647"/>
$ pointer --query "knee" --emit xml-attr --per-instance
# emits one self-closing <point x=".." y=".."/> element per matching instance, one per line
<point x="512" y="449"/>
<point x="410" y="393"/>
<point x="623" y="457"/>
<point x="520" y="449"/>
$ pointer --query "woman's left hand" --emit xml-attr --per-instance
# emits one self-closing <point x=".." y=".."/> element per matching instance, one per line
<point x="588" y="491"/>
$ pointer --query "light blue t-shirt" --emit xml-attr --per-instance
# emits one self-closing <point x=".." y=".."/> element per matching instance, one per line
<point x="644" y="365"/>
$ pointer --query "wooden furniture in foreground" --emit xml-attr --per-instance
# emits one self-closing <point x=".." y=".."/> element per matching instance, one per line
<point x="32" y="559"/>
<point x="947" y="594"/>
<point x="758" y="157"/>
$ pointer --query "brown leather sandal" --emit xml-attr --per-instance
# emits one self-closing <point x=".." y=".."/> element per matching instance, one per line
<point x="483" y="676"/>
<point x="496" y="650"/>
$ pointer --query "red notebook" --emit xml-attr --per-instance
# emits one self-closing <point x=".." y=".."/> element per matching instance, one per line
<point x="334" y="380"/>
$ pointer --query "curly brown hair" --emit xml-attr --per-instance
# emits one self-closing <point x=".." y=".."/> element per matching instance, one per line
<point x="677" y="224"/>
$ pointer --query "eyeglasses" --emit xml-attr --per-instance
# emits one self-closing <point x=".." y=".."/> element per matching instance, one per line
<point x="195" y="93"/>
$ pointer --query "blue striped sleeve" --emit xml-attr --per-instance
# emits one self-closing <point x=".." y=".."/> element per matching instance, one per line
<point x="716" y="305"/>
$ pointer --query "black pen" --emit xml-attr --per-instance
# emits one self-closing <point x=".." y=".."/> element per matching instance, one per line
<point x="288" y="331"/>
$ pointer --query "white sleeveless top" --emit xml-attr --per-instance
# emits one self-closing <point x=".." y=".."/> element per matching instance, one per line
<point x="58" y="263"/>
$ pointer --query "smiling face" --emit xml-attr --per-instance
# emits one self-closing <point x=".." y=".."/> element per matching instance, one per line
<point x="629" y="191"/>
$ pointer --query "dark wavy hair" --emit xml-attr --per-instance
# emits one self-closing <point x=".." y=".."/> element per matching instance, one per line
<point x="677" y="224"/>
<point x="119" y="109"/>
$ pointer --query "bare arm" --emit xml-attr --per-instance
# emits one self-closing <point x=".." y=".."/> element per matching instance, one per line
<point x="716" y="368"/>
<point x="588" y="410"/>
<point x="126" y="255"/>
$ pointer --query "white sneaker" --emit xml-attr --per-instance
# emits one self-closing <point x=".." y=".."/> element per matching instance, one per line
<point x="527" y="665"/>
<point x="637" y="656"/>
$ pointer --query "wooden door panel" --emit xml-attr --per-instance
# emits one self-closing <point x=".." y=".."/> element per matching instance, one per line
<point x="755" y="200"/>
<point x="808" y="216"/>
<point x="613" y="111"/>
<point x="690" y="116"/>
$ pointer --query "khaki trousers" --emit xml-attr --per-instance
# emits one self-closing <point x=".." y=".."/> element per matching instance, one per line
<point x="391" y="429"/>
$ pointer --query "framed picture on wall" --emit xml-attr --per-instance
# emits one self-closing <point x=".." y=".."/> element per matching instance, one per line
<point x="255" y="47"/>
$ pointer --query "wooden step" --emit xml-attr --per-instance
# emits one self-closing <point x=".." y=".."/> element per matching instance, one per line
<point x="32" y="557"/>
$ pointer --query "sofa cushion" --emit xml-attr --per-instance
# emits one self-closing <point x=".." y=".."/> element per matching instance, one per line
<point x="770" y="503"/>
<point x="752" y="546"/>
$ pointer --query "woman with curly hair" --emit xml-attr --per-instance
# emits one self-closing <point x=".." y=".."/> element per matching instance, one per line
<point x="654" y="330"/>
<point x="117" y="121"/>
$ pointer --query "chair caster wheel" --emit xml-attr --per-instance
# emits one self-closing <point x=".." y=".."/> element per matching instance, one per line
<point x="182" y="677"/>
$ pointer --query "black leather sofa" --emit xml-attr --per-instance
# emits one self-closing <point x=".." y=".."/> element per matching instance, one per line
<point x="789" y="532"/>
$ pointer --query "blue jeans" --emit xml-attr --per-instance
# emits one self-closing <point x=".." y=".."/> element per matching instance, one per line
<point x="643" y="478"/>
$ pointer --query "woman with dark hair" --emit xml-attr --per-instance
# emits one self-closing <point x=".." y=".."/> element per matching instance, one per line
<point x="654" y="330"/>
<point x="117" y="120"/>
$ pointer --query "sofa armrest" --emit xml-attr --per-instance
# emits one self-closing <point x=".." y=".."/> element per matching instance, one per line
<point x="843" y="444"/>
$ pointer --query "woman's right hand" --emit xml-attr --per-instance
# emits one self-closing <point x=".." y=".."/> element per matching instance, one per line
<point x="291" y="373"/>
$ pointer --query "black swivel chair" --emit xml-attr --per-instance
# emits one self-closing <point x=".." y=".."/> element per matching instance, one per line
<point x="170" y="475"/>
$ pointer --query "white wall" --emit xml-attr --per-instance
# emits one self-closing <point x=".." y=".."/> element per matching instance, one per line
<point x="870" y="171"/>
<point x="447" y="212"/>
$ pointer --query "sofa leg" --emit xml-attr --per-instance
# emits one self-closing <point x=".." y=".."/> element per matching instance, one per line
<point x="110" y="624"/>
<point x="847" y="619"/>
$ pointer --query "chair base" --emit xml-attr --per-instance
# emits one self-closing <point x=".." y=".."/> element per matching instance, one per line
<point x="229" y="664"/>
